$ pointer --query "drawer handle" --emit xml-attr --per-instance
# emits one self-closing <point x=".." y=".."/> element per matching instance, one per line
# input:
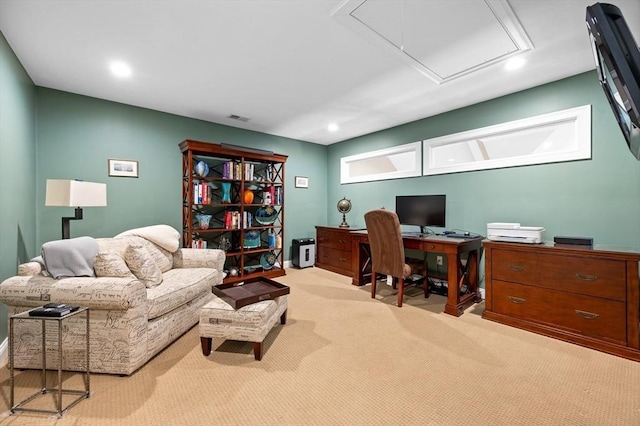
<point x="342" y="241"/>
<point x="342" y="259"/>
<point x="516" y="268"/>
<point x="431" y="247"/>
<point x="587" y="277"/>
<point x="517" y="300"/>
<point x="587" y="315"/>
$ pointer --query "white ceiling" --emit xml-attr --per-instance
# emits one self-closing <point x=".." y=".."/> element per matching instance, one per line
<point x="292" y="66"/>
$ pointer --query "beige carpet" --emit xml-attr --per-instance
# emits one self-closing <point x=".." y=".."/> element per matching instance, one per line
<point x="345" y="359"/>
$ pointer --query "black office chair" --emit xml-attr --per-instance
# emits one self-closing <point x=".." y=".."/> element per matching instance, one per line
<point x="387" y="250"/>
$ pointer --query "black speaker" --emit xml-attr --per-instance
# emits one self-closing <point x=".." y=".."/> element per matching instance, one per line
<point x="581" y="241"/>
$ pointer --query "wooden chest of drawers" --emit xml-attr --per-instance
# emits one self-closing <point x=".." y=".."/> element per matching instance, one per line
<point x="333" y="245"/>
<point x="584" y="295"/>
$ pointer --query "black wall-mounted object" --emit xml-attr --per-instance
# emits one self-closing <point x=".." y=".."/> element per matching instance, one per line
<point x="618" y="64"/>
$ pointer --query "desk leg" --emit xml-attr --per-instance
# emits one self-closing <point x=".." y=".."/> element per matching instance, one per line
<point x="360" y="262"/>
<point x="473" y="274"/>
<point x="456" y="304"/>
<point x="453" y="293"/>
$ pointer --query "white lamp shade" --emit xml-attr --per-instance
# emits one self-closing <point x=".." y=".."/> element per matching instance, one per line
<point x="75" y="193"/>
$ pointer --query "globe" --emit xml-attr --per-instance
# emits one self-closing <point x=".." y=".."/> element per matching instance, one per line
<point x="344" y="207"/>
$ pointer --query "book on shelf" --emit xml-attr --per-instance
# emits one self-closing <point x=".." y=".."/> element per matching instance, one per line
<point x="201" y="193"/>
<point x="247" y="220"/>
<point x="232" y="219"/>
<point x="249" y="169"/>
<point x="233" y="170"/>
<point x="277" y="197"/>
<point x="199" y="244"/>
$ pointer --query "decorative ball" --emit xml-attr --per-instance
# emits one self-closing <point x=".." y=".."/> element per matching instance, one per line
<point x="202" y="169"/>
<point x="248" y="196"/>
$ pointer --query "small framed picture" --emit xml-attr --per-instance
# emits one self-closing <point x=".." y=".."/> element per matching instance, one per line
<point x="123" y="168"/>
<point x="302" y="182"/>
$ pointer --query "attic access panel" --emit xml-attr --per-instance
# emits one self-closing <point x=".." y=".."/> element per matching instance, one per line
<point x="442" y="39"/>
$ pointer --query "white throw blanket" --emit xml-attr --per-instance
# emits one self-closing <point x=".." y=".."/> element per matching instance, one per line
<point x="70" y="258"/>
<point x="161" y="235"/>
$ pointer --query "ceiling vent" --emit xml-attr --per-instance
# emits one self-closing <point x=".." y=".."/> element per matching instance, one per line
<point x="238" y="117"/>
<point x="442" y="39"/>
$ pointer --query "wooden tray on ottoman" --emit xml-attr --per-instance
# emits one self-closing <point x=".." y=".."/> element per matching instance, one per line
<point x="252" y="291"/>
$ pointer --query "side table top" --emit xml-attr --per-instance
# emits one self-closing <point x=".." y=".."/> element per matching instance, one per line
<point x="27" y="315"/>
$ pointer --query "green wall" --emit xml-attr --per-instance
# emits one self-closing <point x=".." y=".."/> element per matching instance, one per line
<point x="599" y="197"/>
<point x="77" y="134"/>
<point x="17" y="165"/>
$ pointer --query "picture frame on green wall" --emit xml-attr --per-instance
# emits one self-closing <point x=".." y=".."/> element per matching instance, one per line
<point x="123" y="168"/>
<point x="302" y="182"/>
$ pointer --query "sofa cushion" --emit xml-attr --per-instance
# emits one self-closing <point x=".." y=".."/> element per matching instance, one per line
<point x="179" y="286"/>
<point x="142" y="265"/>
<point x="109" y="264"/>
<point x="115" y="245"/>
<point x="163" y="258"/>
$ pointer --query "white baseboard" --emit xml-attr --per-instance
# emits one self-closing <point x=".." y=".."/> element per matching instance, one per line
<point x="4" y="351"/>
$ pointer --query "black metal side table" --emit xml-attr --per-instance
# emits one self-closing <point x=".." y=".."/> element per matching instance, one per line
<point x="82" y="394"/>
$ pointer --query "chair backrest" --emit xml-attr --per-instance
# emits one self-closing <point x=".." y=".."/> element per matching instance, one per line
<point x="385" y="241"/>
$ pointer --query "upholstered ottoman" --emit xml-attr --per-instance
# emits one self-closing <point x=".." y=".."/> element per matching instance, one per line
<point x="250" y="323"/>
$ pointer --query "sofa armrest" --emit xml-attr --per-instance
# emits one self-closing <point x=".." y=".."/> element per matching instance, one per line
<point x="199" y="258"/>
<point x="92" y="292"/>
<point x="30" y="268"/>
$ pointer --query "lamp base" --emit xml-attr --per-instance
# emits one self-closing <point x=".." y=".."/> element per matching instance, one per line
<point x="66" y="230"/>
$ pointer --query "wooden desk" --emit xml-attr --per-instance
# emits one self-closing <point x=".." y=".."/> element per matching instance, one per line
<point x="465" y="273"/>
<point x="333" y="248"/>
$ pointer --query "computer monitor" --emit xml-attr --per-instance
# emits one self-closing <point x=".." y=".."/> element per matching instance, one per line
<point x="421" y="210"/>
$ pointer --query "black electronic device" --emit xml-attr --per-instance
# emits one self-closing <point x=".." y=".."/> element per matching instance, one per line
<point x="618" y="64"/>
<point x="421" y="210"/>
<point x="53" y="310"/>
<point x="581" y="241"/>
<point x="304" y="252"/>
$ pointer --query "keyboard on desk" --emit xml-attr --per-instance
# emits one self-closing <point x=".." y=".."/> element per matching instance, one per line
<point x="413" y="234"/>
<point x="465" y="236"/>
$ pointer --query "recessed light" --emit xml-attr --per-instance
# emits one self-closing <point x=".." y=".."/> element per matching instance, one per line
<point x="120" y="69"/>
<point x="514" y="63"/>
<point x="332" y="127"/>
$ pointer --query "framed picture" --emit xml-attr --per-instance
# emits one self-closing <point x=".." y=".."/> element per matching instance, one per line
<point x="302" y="182"/>
<point x="123" y="168"/>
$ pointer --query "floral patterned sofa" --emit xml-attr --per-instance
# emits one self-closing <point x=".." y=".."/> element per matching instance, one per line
<point x="146" y="292"/>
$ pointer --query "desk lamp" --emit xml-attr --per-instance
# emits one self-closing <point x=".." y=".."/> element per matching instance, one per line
<point x="74" y="193"/>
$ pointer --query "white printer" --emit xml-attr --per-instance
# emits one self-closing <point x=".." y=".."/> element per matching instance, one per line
<point x="514" y="233"/>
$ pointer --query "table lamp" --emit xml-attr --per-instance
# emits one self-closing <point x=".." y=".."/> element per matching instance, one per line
<point x="74" y="193"/>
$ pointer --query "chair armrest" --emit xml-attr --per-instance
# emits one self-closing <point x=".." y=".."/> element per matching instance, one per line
<point x="199" y="258"/>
